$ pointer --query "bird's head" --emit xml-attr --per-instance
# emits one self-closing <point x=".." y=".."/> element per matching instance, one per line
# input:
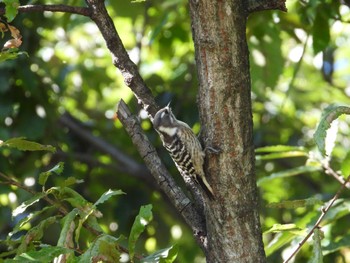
<point x="165" y="122"/>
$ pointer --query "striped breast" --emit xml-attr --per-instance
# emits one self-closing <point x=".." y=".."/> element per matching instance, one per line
<point x="180" y="155"/>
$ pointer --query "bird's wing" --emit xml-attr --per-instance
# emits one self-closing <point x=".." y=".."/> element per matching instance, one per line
<point x="195" y="149"/>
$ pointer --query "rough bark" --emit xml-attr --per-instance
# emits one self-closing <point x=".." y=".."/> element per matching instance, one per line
<point x="233" y="227"/>
<point x="260" y="5"/>
<point x="232" y="232"/>
<point x="120" y="57"/>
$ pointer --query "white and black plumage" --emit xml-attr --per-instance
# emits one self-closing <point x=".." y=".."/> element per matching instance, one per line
<point x="183" y="146"/>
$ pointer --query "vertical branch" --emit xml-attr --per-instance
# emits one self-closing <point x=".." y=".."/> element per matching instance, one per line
<point x="233" y="225"/>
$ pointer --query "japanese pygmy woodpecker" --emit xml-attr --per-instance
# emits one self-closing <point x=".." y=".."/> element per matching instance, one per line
<point x="183" y="146"/>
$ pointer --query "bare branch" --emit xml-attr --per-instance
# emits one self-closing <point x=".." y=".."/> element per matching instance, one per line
<point x="334" y="174"/>
<point x="129" y="164"/>
<point x="261" y="5"/>
<point x="91" y="160"/>
<point x="120" y="57"/>
<point x="85" y="11"/>
<point x="324" y="212"/>
<point x="161" y="175"/>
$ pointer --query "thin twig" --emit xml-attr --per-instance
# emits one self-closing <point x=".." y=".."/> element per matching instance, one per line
<point x="324" y="212"/>
<point x="334" y="174"/>
<point x="10" y="181"/>
<point x="85" y="11"/>
<point x="62" y="209"/>
<point x="15" y="183"/>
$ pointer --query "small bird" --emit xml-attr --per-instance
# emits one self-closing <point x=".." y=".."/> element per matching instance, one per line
<point x="183" y="146"/>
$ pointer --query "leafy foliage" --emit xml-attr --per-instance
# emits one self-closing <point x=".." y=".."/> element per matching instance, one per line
<point x="299" y="66"/>
<point x="141" y="221"/>
<point x="24" y="145"/>
<point x="106" y="248"/>
<point x="166" y="255"/>
<point x="45" y="255"/>
<point x="330" y="114"/>
<point x="11" y="9"/>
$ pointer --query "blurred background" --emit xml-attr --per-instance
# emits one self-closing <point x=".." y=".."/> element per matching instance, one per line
<point x="64" y="93"/>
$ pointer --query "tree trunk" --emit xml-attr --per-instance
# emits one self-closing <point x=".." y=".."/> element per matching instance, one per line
<point x="233" y="227"/>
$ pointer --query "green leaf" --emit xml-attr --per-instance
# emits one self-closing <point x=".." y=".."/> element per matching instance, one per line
<point x="66" y="235"/>
<point x="167" y="255"/>
<point x="71" y="196"/>
<point x="142" y="219"/>
<point x="331" y="113"/>
<point x="43" y="255"/>
<point x="12" y="53"/>
<point x="284" y="227"/>
<point x="20" y="209"/>
<point x="279" y="148"/>
<point x="280" y="155"/>
<point x="280" y="151"/>
<point x="23" y="145"/>
<point x="296" y="203"/>
<point x="279" y="240"/>
<point x="26" y="219"/>
<point x="317" y="256"/>
<point x="288" y="173"/>
<point x="87" y="210"/>
<point x="108" y="195"/>
<point x="71" y="181"/>
<point x="11" y="9"/>
<point x="35" y="234"/>
<point x="57" y="169"/>
<point x="103" y="249"/>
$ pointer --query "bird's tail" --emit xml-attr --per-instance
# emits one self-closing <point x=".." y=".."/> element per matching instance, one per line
<point x="206" y="187"/>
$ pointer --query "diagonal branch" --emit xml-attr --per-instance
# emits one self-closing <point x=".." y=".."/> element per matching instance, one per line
<point x="319" y="220"/>
<point x="129" y="164"/>
<point x="135" y="82"/>
<point x="121" y="60"/>
<point x="328" y="170"/>
<point x="161" y="175"/>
